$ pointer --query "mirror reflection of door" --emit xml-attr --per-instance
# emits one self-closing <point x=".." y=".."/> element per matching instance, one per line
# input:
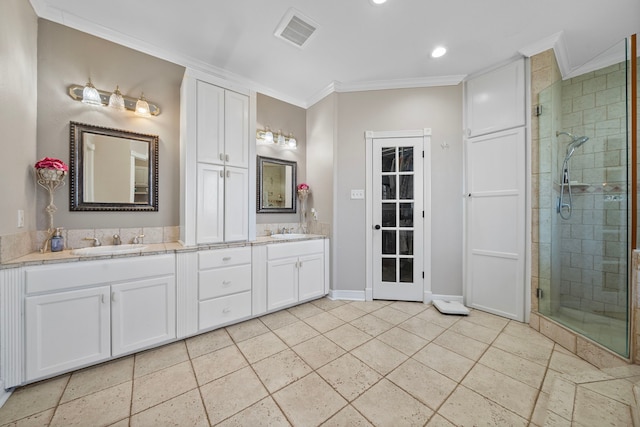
<point x="115" y="170"/>
<point x="276" y="192"/>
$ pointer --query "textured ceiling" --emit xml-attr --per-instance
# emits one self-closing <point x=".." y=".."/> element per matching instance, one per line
<point x="357" y="45"/>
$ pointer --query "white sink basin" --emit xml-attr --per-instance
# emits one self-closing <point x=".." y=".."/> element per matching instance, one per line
<point x="109" y="250"/>
<point x="289" y="236"/>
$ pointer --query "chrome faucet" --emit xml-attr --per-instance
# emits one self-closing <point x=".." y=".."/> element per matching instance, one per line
<point x="116" y="239"/>
<point x="138" y="239"/>
<point x="96" y="241"/>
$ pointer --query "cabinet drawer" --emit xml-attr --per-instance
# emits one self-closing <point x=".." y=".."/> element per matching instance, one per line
<point x="283" y="250"/>
<point x="223" y="310"/>
<point x="224" y="257"/>
<point x="223" y="281"/>
<point x="75" y="274"/>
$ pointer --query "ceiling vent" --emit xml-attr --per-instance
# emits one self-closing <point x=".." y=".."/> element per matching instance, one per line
<point x="296" y="28"/>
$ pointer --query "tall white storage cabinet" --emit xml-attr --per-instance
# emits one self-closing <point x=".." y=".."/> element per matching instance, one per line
<point x="496" y="197"/>
<point x="216" y="160"/>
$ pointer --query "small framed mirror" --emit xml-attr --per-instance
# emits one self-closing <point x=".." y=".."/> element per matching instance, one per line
<point x="276" y="186"/>
<point x="112" y="169"/>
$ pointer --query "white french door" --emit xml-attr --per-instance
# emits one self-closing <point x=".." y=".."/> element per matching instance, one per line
<point x="397" y="211"/>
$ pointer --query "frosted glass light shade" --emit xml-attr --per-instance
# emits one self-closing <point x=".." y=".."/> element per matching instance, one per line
<point x="142" y="107"/>
<point x="116" y="101"/>
<point x="90" y="95"/>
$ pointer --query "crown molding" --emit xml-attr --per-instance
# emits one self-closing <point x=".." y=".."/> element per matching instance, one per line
<point x="340" y="87"/>
<point x="56" y="15"/>
<point x="559" y="46"/>
<point x="401" y="83"/>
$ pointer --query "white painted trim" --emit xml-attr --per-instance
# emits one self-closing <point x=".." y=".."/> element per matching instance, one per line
<point x="401" y="83"/>
<point x="528" y="203"/>
<point x="347" y="295"/>
<point x="559" y="46"/>
<point x="321" y="94"/>
<point x="425" y="133"/>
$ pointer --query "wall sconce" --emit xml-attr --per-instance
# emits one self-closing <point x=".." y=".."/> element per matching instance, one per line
<point x="88" y="94"/>
<point x="267" y="137"/>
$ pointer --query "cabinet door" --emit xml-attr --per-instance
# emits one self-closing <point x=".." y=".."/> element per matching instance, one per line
<point x="282" y="283"/>
<point x="66" y="330"/>
<point x="210" y="123"/>
<point x="236" y="129"/>
<point x="210" y="210"/>
<point x="143" y="313"/>
<point x="311" y="276"/>
<point x="236" y="204"/>
<point x="495" y="101"/>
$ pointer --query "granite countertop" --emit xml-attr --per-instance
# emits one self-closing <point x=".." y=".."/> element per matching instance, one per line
<point x="38" y="258"/>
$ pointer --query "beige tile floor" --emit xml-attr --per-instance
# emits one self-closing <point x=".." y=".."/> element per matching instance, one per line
<point x="338" y="363"/>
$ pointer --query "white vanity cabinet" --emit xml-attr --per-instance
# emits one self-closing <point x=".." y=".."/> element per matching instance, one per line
<point x="224" y="286"/>
<point x="77" y="314"/>
<point x="216" y="161"/>
<point x="289" y="273"/>
<point x="66" y="330"/>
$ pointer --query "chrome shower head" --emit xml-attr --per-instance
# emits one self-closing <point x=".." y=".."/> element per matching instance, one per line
<point x="576" y="141"/>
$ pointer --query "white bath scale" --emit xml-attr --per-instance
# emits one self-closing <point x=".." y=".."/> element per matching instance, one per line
<point x="450" y="307"/>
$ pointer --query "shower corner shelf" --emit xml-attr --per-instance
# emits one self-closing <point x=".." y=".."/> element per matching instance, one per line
<point x="574" y="185"/>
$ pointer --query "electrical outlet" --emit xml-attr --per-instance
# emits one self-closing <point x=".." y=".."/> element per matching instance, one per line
<point x="20" y="218"/>
<point x="357" y="194"/>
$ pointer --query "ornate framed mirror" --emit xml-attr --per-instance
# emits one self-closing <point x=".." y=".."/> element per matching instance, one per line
<point x="112" y="169"/>
<point x="276" y="189"/>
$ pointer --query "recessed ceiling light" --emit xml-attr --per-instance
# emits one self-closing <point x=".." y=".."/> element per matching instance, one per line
<point x="438" y="52"/>
<point x="377" y="1"/>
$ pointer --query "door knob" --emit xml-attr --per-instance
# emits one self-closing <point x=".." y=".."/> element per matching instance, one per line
<point x="377" y="227"/>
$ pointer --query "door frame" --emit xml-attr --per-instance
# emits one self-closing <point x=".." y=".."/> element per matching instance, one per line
<point x="426" y="252"/>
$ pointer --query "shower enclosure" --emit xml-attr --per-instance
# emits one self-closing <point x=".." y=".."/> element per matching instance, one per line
<point x="584" y="196"/>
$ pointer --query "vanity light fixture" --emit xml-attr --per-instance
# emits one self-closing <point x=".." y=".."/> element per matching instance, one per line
<point x="100" y="97"/>
<point x="377" y="2"/>
<point x="116" y="101"/>
<point x="264" y="137"/>
<point x="291" y="141"/>
<point x="90" y="94"/>
<point x="142" y="107"/>
<point x="267" y="137"/>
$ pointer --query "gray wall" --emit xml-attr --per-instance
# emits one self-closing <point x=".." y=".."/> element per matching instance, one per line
<point x="66" y="57"/>
<point x="279" y="115"/>
<point x="438" y="108"/>
<point x="321" y="138"/>
<point x="18" y="108"/>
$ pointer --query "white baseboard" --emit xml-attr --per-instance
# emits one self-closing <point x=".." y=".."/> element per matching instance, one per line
<point x="347" y="295"/>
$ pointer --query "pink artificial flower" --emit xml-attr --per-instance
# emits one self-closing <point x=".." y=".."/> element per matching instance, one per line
<point x="303" y="186"/>
<point x="51" y="163"/>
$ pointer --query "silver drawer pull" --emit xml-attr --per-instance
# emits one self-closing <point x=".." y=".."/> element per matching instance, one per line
<point x="221" y="157"/>
<point x="113" y="297"/>
<point x="226" y="282"/>
<point x="102" y="299"/>
<point x="226" y="157"/>
<point x="226" y="310"/>
<point x="227" y="258"/>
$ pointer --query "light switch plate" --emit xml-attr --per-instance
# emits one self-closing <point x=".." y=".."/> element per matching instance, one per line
<point x="357" y="194"/>
<point x="20" y="218"/>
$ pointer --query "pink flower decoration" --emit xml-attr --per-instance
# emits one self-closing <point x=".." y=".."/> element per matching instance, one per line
<point x="51" y="163"/>
<point x="303" y="186"/>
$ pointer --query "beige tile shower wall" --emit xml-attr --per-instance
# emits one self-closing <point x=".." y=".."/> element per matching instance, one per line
<point x="594" y="247"/>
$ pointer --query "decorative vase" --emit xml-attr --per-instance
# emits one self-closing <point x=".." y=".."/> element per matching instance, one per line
<point x="50" y="179"/>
